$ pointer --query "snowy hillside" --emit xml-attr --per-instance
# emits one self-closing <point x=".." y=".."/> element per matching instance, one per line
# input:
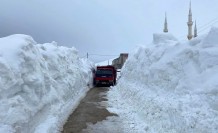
<point x="172" y="86"/>
<point x="40" y="84"/>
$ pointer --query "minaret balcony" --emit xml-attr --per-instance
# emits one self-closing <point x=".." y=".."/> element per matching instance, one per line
<point x="190" y="23"/>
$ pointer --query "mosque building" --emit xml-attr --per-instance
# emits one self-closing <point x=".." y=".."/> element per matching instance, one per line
<point x="189" y="23"/>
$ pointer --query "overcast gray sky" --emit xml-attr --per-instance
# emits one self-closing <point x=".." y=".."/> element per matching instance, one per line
<point x="105" y="27"/>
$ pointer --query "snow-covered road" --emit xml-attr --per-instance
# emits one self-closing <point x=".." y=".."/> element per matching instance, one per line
<point x="91" y="110"/>
<point x="93" y="116"/>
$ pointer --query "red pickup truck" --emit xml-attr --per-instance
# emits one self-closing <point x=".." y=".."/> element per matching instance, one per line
<point x="105" y="75"/>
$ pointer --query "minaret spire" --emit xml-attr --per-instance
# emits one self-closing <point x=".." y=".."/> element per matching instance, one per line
<point x="190" y="23"/>
<point x="190" y="6"/>
<point x="195" y="30"/>
<point x="165" y="24"/>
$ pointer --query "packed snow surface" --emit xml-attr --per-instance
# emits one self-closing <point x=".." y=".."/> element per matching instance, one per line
<point x="171" y="86"/>
<point x="40" y="84"/>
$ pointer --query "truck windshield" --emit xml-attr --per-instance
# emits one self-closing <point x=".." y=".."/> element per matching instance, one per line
<point x="104" y="73"/>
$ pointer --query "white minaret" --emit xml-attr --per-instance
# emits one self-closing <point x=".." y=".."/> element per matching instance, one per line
<point x="165" y="24"/>
<point x="195" y="30"/>
<point x="190" y="23"/>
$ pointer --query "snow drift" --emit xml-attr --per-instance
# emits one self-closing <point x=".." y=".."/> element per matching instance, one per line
<point x="40" y="84"/>
<point x="172" y="86"/>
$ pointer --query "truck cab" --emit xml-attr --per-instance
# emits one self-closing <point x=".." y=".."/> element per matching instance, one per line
<point x="105" y="76"/>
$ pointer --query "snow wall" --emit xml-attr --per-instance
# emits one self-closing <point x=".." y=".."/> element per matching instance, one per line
<point x="173" y="86"/>
<point x="40" y="84"/>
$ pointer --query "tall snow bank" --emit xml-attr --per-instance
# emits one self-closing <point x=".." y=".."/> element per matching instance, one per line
<point x="163" y="38"/>
<point x="40" y="84"/>
<point x="173" y="86"/>
<point x="211" y="39"/>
